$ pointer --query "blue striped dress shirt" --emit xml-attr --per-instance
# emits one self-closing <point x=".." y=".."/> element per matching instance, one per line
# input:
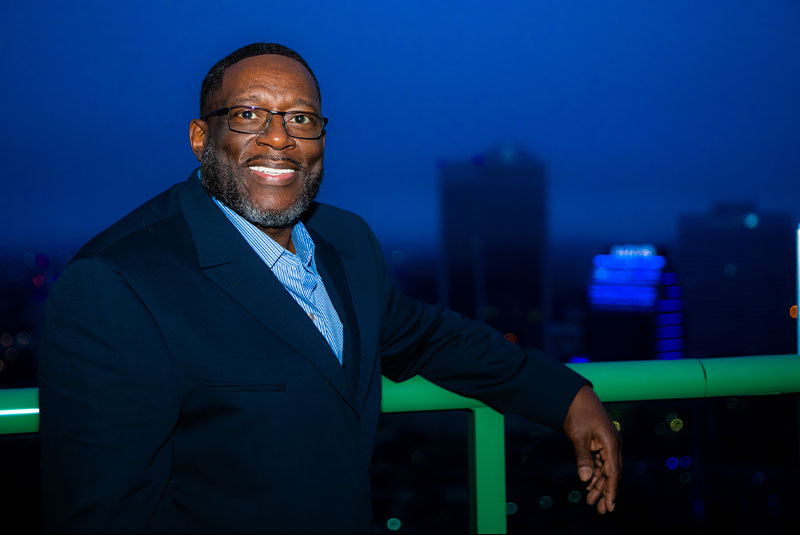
<point x="298" y="274"/>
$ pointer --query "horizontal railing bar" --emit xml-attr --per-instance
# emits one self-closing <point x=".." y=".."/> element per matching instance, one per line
<point x="693" y="378"/>
<point x="613" y="381"/>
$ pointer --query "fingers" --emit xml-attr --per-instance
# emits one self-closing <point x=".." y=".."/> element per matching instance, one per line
<point x="611" y="464"/>
<point x="597" y="490"/>
<point x="612" y="475"/>
<point x="603" y="486"/>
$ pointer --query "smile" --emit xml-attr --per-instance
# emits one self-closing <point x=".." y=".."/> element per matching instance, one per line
<point x="273" y="176"/>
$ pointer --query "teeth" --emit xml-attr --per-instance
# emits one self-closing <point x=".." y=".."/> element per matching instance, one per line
<point x="272" y="170"/>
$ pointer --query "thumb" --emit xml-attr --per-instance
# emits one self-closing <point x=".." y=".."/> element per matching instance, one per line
<point x="585" y="461"/>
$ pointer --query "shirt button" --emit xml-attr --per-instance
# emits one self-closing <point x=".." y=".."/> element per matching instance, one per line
<point x="311" y="315"/>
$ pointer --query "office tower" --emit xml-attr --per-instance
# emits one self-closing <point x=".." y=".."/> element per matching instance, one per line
<point x="737" y="265"/>
<point x="634" y="306"/>
<point x="494" y="229"/>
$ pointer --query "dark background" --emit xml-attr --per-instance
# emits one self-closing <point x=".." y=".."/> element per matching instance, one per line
<point x="640" y="122"/>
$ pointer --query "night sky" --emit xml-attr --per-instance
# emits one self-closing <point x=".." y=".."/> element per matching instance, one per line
<point x="640" y="110"/>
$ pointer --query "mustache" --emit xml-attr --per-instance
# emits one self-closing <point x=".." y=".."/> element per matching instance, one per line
<point x="261" y="160"/>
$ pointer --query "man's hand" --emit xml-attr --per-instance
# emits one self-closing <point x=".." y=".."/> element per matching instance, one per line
<point x="598" y="448"/>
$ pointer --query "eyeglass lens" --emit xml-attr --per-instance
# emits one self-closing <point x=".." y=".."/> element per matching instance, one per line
<point x="255" y="120"/>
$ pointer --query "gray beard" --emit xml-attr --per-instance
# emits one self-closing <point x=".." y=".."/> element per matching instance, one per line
<point x="219" y="180"/>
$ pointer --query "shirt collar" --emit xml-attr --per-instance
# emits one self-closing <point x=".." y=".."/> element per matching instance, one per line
<point x="303" y="244"/>
<point x="269" y="250"/>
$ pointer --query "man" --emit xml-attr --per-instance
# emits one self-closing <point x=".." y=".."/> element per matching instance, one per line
<point x="212" y="361"/>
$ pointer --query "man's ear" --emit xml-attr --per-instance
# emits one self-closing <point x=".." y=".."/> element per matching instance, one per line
<point x="197" y="137"/>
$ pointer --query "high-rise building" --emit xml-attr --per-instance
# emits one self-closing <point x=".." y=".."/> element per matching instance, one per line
<point x="634" y="306"/>
<point x="494" y="231"/>
<point x="737" y="267"/>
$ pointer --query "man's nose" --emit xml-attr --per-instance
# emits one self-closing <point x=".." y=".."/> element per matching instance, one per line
<point x="275" y="135"/>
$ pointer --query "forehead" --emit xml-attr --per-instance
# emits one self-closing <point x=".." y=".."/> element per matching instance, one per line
<point x="274" y="78"/>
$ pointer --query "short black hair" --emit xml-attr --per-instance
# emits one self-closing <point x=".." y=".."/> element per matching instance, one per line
<point x="213" y="79"/>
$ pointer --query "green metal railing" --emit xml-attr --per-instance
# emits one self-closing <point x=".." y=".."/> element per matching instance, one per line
<point x="613" y="381"/>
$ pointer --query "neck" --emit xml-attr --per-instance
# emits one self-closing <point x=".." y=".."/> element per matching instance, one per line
<point x="282" y="236"/>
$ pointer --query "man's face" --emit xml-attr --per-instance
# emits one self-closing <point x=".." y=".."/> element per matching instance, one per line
<point x="271" y="178"/>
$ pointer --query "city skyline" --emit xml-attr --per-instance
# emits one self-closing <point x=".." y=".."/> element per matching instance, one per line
<point x="639" y="111"/>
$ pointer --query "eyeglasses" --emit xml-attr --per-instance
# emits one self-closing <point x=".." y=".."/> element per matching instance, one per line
<point x="255" y="120"/>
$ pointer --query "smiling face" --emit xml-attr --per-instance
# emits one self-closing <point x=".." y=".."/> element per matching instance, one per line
<point x="271" y="178"/>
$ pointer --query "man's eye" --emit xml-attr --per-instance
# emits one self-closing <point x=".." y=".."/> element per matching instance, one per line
<point x="246" y="115"/>
<point x="301" y="119"/>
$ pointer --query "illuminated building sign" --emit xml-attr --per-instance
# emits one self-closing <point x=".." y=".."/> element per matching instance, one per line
<point x="626" y="279"/>
<point x="632" y="278"/>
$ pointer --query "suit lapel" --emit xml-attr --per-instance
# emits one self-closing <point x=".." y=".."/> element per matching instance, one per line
<point x="229" y="261"/>
<point x="343" y="269"/>
<point x="333" y="275"/>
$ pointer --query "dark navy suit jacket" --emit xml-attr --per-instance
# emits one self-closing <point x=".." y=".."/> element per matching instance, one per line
<point x="182" y="388"/>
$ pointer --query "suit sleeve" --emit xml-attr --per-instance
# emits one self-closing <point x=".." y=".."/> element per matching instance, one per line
<point x="471" y="358"/>
<point x="108" y="403"/>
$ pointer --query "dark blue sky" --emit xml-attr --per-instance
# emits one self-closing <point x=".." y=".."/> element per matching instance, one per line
<point x="641" y="110"/>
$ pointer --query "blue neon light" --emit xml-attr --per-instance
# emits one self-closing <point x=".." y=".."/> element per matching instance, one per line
<point x="626" y="276"/>
<point x="578" y="358"/>
<point x="622" y="295"/>
<point x="672" y="318"/>
<point x="671" y="331"/>
<point x="669" y="305"/>
<point x="629" y="262"/>
<point x="672" y="292"/>
<point x="671" y="344"/>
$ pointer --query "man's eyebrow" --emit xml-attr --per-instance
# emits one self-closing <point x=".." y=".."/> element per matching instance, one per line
<point x="250" y="99"/>
<point x="305" y="103"/>
<point x="255" y="100"/>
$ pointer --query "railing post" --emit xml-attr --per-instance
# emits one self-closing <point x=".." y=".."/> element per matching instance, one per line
<point x="487" y="471"/>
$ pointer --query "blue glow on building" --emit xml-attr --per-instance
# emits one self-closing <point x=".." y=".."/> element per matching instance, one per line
<point x="632" y="279"/>
<point x="626" y="279"/>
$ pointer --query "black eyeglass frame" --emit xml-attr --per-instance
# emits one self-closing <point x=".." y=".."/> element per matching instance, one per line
<point x="226" y="110"/>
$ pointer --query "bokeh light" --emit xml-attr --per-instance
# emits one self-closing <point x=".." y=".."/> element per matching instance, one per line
<point x="23" y="338"/>
<point x="545" y="502"/>
<point x="574" y="496"/>
<point x="511" y="508"/>
<point x="676" y="424"/>
<point x="672" y="463"/>
<point x="751" y="221"/>
<point x="393" y="524"/>
<point x="6" y="340"/>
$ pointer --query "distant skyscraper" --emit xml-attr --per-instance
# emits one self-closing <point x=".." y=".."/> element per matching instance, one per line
<point x="494" y="231"/>
<point x="634" y="306"/>
<point x="737" y="268"/>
